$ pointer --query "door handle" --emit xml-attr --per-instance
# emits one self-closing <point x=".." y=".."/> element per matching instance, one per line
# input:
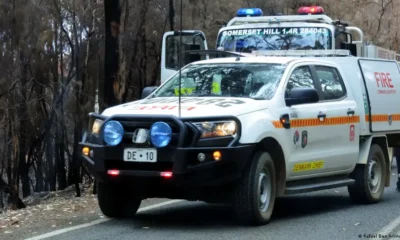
<point x="350" y="112"/>
<point x="321" y="116"/>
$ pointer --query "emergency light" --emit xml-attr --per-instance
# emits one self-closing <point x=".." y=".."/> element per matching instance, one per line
<point x="311" y="10"/>
<point x="249" y="12"/>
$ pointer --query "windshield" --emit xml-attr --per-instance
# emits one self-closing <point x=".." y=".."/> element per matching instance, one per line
<point x="281" y="38"/>
<point x="251" y="80"/>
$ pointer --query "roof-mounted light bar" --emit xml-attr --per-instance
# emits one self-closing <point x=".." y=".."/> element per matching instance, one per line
<point x="303" y="53"/>
<point x="280" y="19"/>
<point x="249" y="12"/>
<point x="311" y="10"/>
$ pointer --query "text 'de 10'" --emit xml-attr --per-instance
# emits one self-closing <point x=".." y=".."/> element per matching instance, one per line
<point x="140" y="155"/>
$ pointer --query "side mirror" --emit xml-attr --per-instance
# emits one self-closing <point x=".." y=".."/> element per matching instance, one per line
<point x="147" y="91"/>
<point x="302" y="96"/>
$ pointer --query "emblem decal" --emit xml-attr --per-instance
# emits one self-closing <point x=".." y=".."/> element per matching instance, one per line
<point x="140" y="136"/>
<point x="304" y="139"/>
<point x="296" y="137"/>
<point x="352" y="133"/>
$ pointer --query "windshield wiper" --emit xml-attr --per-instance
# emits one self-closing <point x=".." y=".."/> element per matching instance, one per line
<point x="208" y="95"/>
<point x="258" y="98"/>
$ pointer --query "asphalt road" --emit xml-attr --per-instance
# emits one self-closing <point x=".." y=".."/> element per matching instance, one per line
<point x="324" y="215"/>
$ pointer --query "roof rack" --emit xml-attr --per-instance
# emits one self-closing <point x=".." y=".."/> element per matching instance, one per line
<point x="303" y="53"/>
<point x="277" y="19"/>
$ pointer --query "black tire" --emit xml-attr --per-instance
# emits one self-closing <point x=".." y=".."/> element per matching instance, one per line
<point x="361" y="192"/>
<point x="117" y="202"/>
<point x="247" y="198"/>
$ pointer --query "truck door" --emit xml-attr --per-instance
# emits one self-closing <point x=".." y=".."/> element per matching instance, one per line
<point x="191" y="40"/>
<point x="324" y="133"/>
<point x="308" y="148"/>
<point x="341" y="126"/>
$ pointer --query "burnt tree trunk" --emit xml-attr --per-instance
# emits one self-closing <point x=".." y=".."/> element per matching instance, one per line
<point x="25" y="180"/>
<point x="61" y="172"/>
<point x="23" y="129"/>
<point x="39" y="174"/>
<point x="76" y="154"/>
<point x="14" y="199"/>
<point x="3" y="185"/>
<point x="143" y="39"/>
<point x="51" y="173"/>
<point x="112" y="12"/>
<point x="4" y="188"/>
<point x="171" y="15"/>
<point x="60" y="135"/>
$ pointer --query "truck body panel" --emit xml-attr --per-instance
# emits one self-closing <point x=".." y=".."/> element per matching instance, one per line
<point x="190" y="106"/>
<point x="382" y="80"/>
<point x="373" y="83"/>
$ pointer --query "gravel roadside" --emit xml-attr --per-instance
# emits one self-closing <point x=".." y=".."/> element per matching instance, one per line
<point x="51" y="212"/>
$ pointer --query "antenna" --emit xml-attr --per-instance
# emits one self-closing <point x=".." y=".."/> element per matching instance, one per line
<point x="180" y="60"/>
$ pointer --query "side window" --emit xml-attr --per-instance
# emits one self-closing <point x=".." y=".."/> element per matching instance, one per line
<point x="172" y="53"/>
<point x="301" y="77"/>
<point x="331" y="82"/>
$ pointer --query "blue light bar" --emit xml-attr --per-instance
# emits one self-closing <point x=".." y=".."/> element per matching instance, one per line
<point x="252" y="12"/>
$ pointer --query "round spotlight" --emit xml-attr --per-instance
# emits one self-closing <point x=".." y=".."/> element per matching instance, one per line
<point x="160" y="134"/>
<point x="113" y="133"/>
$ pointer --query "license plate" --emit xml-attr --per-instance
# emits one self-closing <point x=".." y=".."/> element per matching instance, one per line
<point x="140" y="155"/>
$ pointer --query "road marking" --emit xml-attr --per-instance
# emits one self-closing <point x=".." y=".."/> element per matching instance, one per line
<point x="388" y="229"/>
<point x="64" y="230"/>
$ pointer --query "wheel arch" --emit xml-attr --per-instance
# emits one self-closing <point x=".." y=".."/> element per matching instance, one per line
<point x="272" y="146"/>
<point x="381" y="140"/>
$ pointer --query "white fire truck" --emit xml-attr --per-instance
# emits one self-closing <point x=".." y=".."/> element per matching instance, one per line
<point x="250" y="31"/>
<point x="247" y="130"/>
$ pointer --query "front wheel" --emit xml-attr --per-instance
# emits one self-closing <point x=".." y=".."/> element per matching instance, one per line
<point x="117" y="202"/>
<point x="370" y="178"/>
<point x="254" y="196"/>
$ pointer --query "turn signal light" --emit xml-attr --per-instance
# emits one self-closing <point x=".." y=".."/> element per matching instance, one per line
<point x="86" y="151"/>
<point x="217" y="155"/>
<point x="285" y="120"/>
<point x="113" y="172"/>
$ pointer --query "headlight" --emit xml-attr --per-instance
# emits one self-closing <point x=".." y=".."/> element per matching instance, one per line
<point x="217" y="129"/>
<point x="96" y="126"/>
<point x="113" y="133"/>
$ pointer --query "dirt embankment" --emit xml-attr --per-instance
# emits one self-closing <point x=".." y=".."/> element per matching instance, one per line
<point x="49" y="211"/>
